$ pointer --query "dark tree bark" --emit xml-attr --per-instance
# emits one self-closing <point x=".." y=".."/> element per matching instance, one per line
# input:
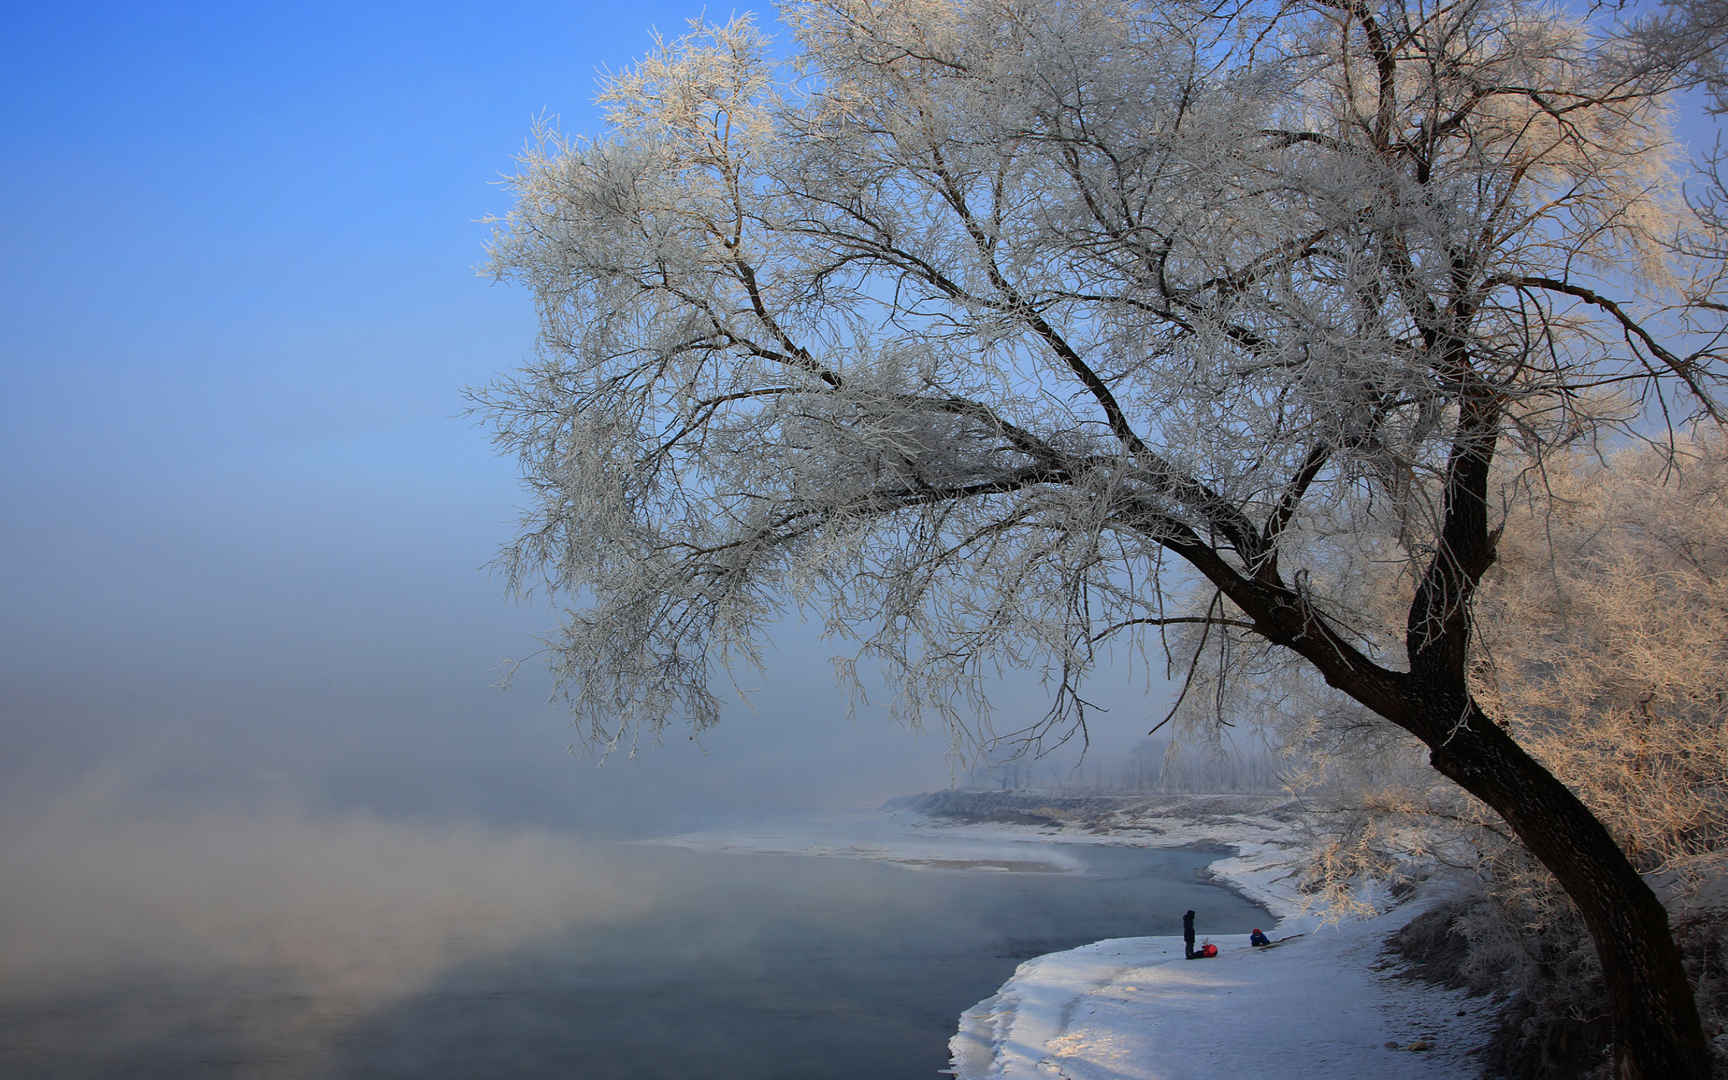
<point x="1657" y="1034"/>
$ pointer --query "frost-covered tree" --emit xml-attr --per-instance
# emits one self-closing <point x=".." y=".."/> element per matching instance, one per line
<point x="1690" y="37"/>
<point x="1604" y="644"/>
<point x="980" y="324"/>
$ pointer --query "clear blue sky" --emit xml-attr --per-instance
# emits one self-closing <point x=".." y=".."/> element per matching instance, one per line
<point x="244" y="521"/>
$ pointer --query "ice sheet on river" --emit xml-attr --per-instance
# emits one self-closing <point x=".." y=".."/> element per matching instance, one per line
<point x="905" y="839"/>
<point x="914" y="838"/>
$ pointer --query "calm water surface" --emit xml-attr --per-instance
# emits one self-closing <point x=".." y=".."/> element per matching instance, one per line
<point x="721" y="964"/>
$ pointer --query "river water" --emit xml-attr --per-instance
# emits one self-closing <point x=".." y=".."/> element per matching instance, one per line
<point x="706" y="964"/>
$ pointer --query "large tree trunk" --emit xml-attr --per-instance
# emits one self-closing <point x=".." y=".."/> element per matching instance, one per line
<point x="1657" y="1035"/>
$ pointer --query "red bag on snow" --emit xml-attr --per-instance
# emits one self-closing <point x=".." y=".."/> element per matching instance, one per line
<point x="1208" y="949"/>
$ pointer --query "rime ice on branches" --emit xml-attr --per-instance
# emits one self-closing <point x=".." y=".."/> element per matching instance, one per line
<point x="983" y="328"/>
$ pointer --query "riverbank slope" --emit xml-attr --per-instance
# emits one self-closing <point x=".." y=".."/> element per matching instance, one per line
<point x="1325" y="1002"/>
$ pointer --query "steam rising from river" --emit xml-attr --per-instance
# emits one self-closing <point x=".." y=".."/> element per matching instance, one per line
<point x="352" y="913"/>
<point x="289" y="942"/>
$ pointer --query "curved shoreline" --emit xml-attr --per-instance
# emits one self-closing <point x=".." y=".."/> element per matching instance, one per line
<point x="1318" y="1004"/>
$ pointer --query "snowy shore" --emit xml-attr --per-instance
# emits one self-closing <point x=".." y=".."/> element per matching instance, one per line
<point x="1323" y="1003"/>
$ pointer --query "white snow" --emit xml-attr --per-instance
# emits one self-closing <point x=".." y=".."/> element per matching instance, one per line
<point x="1134" y="1009"/>
<point x="1322" y="1004"/>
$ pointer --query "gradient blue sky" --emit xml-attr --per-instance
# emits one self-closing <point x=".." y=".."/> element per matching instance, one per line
<point x="245" y="523"/>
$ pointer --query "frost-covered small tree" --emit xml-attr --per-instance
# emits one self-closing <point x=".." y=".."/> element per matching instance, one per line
<point x="1604" y="644"/>
<point x="981" y="323"/>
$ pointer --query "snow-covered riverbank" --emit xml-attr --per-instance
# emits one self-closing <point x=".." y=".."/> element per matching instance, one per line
<point x="1326" y="1003"/>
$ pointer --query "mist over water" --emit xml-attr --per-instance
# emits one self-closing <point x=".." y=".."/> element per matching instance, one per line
<point x="295" y="945"/>
<point x="262" y="811"/>
<point x="251" y="937"/>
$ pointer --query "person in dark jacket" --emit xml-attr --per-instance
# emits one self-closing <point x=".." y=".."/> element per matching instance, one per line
<point x="1258" y="939"/>
<point x="1188" y="935"/>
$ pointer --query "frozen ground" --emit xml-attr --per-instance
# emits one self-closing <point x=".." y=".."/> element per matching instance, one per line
<point x="1324" y="1004"/>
